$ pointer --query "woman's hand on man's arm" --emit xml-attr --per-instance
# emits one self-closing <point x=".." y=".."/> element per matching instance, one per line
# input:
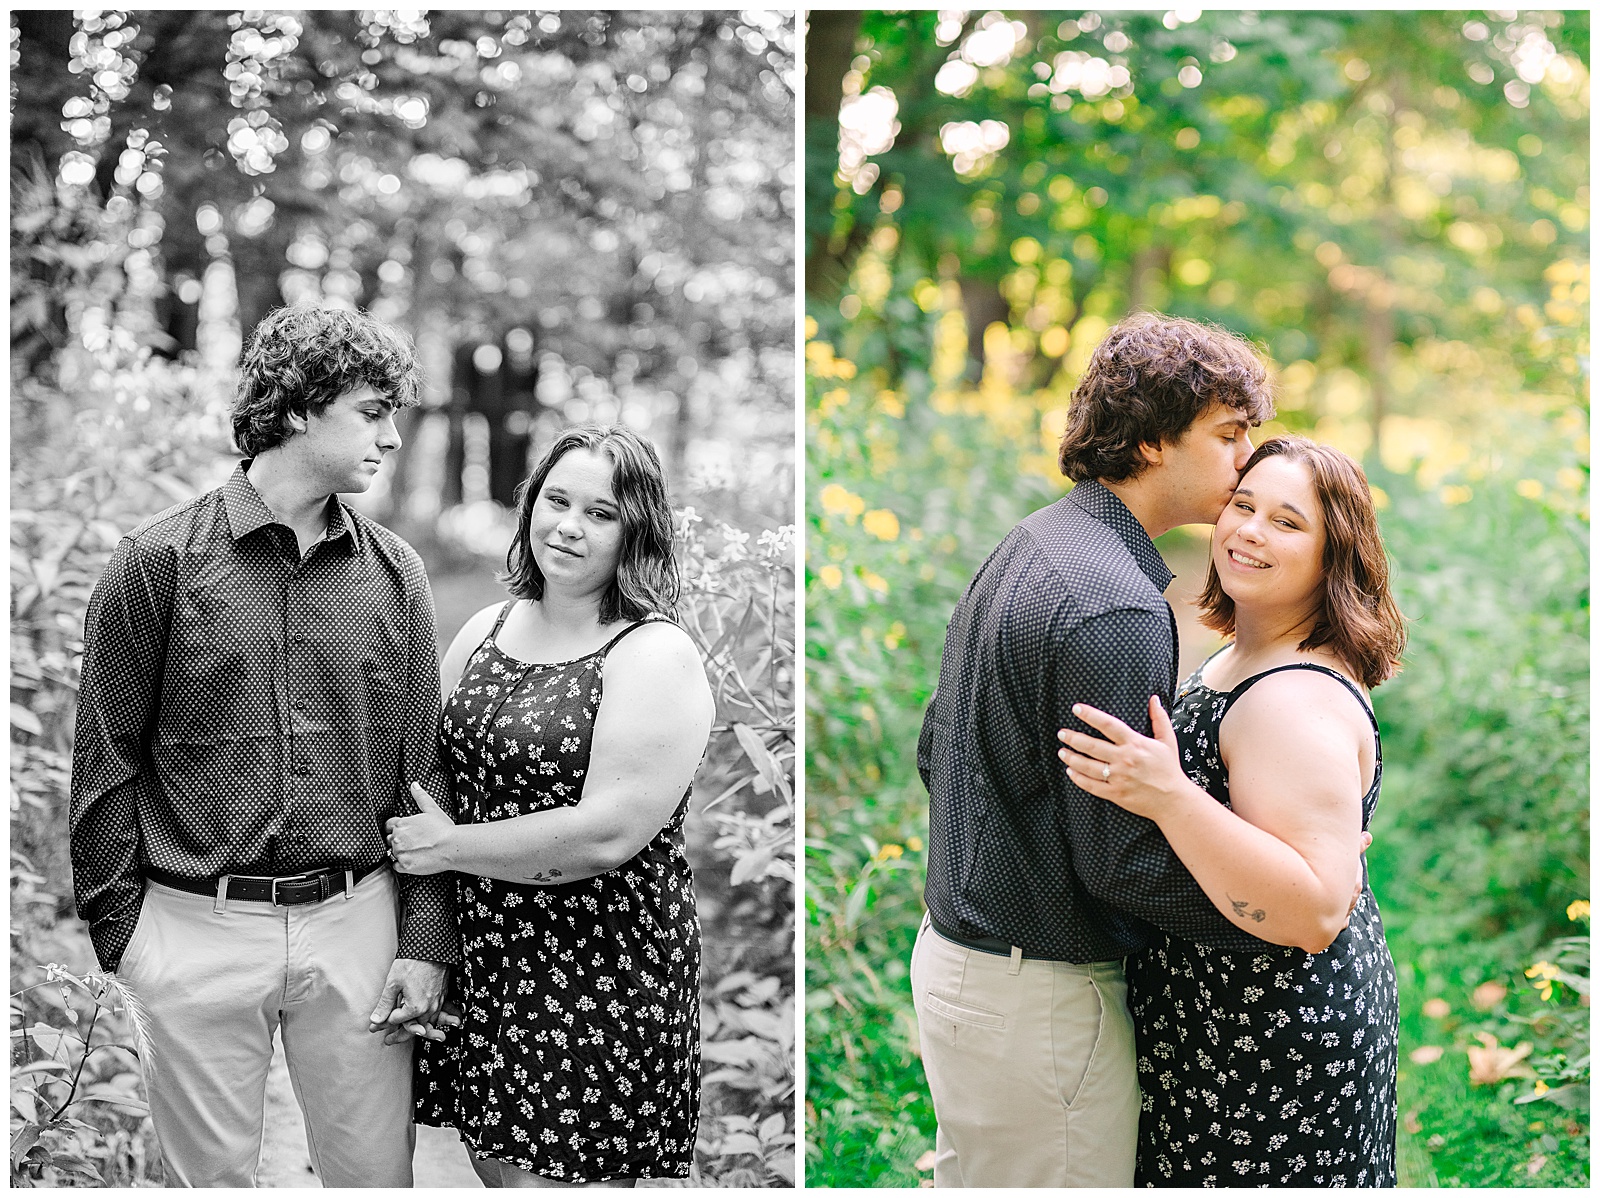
<point x="649" y="736"/>
<point x="1285" y="861"/>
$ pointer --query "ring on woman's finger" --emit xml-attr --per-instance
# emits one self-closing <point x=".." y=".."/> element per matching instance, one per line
<point x="1105" y="773"/>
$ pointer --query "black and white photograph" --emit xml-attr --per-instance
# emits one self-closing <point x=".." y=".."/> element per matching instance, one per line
<point x="403" y="487"/>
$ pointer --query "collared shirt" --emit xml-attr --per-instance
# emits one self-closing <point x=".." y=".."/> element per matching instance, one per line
<point x="1068" y="609"/>
<point x="246" y="711"/>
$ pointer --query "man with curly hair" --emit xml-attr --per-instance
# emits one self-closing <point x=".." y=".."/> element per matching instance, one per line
<point x="260" y="687"/>
<point x="1035" y="889"/>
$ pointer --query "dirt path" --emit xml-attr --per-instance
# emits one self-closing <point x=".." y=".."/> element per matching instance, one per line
<point x="440" y="1162"/>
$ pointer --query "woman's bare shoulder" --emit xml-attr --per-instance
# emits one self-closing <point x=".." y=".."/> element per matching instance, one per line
<point x="1292" y="702"/>
<point x="653" y="645"/>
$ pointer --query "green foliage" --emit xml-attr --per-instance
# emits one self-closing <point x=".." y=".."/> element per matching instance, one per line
<point x="1334" y="184"/>
<point x="1486" y="762"/>
<point x="1468" y="1113"/>
<point x="739" y="608"/>
<point x="878" y="593"/>
<point x="1380" y="201"/>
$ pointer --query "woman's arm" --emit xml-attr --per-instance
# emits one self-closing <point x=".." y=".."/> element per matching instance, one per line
<point x="1284" y="862"/>
<point x="649" y="736"/>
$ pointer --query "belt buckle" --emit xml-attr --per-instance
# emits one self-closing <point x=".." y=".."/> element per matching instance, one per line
<point x="293" y="880"/>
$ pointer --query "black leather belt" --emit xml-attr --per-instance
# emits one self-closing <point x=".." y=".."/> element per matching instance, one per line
<point x="984" y="944"/>
<point x="310" y="887"/>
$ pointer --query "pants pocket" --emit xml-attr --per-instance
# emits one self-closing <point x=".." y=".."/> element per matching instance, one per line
<point x="944" y="1008"/>
<point x="131" y="954"/>
<point x="946" y="1012"/>
<point x="1081" y="1039"/>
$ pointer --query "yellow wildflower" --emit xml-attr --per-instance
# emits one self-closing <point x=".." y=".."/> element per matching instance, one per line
<point x="830" y="577"/>
<point x="1578" y="909"/>
<point x="889" y="852"/>
<point x="1544" y="975"/>
<point x="891" y="403"/>
<point x="833" y="400"/>
<point x="811" y="327"/>
<point x="837" y="501"/>
<point x="875" y="582"/>
<point x="882" y="523"/>
<point x="914" y="843"/>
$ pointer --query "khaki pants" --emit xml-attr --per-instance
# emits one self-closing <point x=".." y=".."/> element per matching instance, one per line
<point x="216" y="985"/>
<point x="1031" y="1067"/>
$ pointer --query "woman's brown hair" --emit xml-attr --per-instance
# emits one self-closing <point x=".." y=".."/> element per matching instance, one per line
<point x="647" y="578"/>
<point x="1359" y="620"/>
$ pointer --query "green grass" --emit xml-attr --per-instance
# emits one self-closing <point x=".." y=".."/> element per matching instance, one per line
<point x="870" y="1118"/>
<point x="1456" y="1133"/>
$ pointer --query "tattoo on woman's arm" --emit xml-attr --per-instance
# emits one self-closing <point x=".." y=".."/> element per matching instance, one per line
<point x="544" y="877"/>
<point x="1239" y="911"/>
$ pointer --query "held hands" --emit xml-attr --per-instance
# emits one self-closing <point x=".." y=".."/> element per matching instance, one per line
<point x="421" y="843"/>
<point x="410" y="1003"/>
<point x="1141" y="774"/>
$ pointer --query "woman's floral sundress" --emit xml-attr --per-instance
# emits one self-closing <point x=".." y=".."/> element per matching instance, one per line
<point x="578" y="1057"/>
<point x="1273" y="1068"/>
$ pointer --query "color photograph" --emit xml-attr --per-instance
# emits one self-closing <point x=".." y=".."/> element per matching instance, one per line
<point x="403" y="623"/>
<point x="1196" y="598"/>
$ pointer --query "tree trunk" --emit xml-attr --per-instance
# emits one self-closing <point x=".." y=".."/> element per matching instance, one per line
<point x="830" y="47"/>
<point x="983" y="304"/>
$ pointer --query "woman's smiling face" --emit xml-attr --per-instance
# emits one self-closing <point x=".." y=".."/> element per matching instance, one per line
<point x="575" y="526"/>
<point x="1268" y="544"/>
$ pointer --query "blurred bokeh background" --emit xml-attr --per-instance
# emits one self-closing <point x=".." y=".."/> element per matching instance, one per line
<point x="577" y="216"/>
<point x="1395" y="207"/>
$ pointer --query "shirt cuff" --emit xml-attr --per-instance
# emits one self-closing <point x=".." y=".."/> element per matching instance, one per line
<point x="110" y="937"/>
<point x="428" y="929"/>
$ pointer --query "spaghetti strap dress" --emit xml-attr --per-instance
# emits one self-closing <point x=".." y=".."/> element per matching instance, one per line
<point x="1267" y="1068"/>
<point x="578" y="1055"/>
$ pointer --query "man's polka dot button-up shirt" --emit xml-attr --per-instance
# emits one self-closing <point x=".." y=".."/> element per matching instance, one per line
<point x="246" y="711"/>
<point x="1068" y="609"/>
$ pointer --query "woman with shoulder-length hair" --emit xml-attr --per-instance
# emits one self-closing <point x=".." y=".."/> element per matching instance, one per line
<point x="1274" y="1066"/>
<point x="575" y="718"/>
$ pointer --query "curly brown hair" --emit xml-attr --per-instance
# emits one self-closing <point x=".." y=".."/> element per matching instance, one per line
<point x="301" y="358"/>
<point x="1359" y="620"/>
<point x="1147" y="382"/>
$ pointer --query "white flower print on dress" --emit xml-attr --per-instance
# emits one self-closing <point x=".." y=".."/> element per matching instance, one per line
<point x="1198" y="1117"/>
<point x="531" y="1019"/>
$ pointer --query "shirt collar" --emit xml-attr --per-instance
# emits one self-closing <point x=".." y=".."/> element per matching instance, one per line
<point x="1094" y="498"/>
<point x="247" y="512"/>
